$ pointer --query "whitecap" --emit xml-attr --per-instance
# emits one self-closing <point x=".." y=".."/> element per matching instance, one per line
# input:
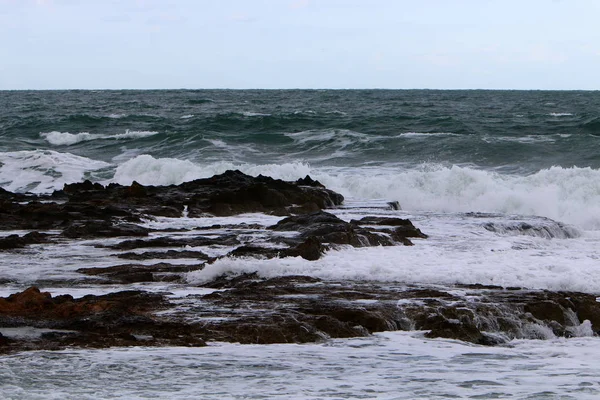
<point x="425" y="134"/>
<point x="42" y="171"/>
<point x="560" y="114"/>
<point x="67" y="139"/>
<point x="133" y="134"/>
<point x="254" y="114"/>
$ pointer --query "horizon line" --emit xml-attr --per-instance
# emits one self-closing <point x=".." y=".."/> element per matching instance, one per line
<point x="298" y="89"/>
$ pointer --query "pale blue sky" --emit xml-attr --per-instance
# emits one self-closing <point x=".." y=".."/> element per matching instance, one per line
<point x="445" y="44"/>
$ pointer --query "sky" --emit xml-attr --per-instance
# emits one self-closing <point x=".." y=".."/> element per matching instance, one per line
<point x="271" y="44"/>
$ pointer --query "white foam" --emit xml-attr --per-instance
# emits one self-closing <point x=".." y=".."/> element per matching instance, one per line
<point x="570" y="195"/>
<point x="148" y="170"/>
<point x="117" y="116"/>
<point x="522" y="139"/>
<point x="133" y="134"/>
<point x="425" y="135"/>
<point x="187" y="116"/>
<point x="42" y="171"/>
<point x="67" y="139"/>
<point x="344" y="136"/>
<point x="398" y="365"/>
<point x="459" y="250"/>
<point x="254" y="114"/>
<point x="560" y="114"/>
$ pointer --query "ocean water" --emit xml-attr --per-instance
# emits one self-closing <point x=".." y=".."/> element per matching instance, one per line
<point x="468" y="168"/>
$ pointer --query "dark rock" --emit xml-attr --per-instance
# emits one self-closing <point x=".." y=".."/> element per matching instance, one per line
<point x="169" y="254"/>
<point x="93" y="228"/>
<point x="226" y="240"/>
<point x="308" y="181"/>
<point x="394" y="205"/>
<point x="311" y="249"/>
<point x="329" y="229"/>
<point x="546" y="310"/>
<point x="227" y="194"/>
<point x="452" y="329"/>
<point x="254" y="251"/>
<point x="16" y="241"/>
<point x="404" y="228"/>
<point x="130" y="273"/>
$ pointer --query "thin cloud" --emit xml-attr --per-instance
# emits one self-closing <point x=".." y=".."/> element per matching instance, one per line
<point x="299" y="4"/>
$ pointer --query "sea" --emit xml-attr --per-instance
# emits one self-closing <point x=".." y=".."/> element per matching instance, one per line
<point x="457" y="162"/>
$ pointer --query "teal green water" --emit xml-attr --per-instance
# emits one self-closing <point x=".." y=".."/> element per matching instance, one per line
<point x="512" y="131"/>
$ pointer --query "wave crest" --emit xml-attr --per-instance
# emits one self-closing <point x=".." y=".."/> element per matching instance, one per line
<point x="68" y="139"/>
<point x="570" y="195"/>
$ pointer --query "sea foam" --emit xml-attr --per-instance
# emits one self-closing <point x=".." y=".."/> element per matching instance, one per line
<point x="67" y="139"/>
<point x="42" y="171"/>
<point x="570" y="195"/>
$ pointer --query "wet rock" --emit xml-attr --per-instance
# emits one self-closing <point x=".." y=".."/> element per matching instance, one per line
<point x="169" y="254"/>
<point x="586" y="307"/>
<point x="311" y="249"/>
<point x="16" y="241"/>
<point x="543" y="227"/>
<point x="394" y="205"/>
<point x="90" y="229"/>
<point x="308" y="181"/>
<point x="452" y="329"/>
<point x="80" y="204"/>
<point x="227" y="194"/>
<point x="329" y="229"/>
<point x="115" y="319"/>
<point x="130" y="273"/>
<point x="546" y="310"/>
<point x="403" y="228"/>
<point x="255" y="251"/>
<point x="4" y="341"/>
<point x="225" y="240"/>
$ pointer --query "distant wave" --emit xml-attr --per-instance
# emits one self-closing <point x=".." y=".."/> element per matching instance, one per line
<point x="67" y="139"/>
<point x="560" y="114"/>
<point x="254" y="114"/>
<point x="425" y="134"/>
<point x="523" y="139"/>
<point x="343" y="136"/>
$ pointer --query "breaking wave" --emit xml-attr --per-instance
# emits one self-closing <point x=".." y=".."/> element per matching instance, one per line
<point x="67" y="139"/>
<point x="570" y="195"/>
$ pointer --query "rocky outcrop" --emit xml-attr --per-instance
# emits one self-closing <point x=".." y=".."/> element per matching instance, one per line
<point x="86" y="209"/>
<point x="116" y="319"/>
<point x="329" y="229"/>
<point x="232" y="192"/>
<point x="250" y="310"/>
<point x="89" y="229"/>
<point x="295" y="309"/>
<point x="16" y="241"/>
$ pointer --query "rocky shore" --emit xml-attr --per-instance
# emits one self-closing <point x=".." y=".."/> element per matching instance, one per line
<point x="245" y="308"/>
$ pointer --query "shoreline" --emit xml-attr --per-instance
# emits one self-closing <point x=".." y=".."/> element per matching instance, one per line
<point x="245" y="308"/>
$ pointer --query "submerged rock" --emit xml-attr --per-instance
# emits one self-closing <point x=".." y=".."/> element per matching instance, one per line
<point x="328" y="229"/>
